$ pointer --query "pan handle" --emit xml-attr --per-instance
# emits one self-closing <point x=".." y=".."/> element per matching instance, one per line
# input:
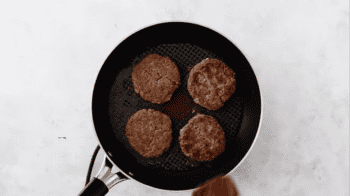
<point x="104" y="181"/>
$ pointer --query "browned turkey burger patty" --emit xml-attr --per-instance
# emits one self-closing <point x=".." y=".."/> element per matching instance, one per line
<point x="155" y="78"/>
<point x="149" y="132"/>
<point x="211" y="83"/>
<point x="202" y="138"/>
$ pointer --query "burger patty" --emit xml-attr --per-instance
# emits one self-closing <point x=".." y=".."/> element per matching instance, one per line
<point x="202" y="138"/>
<point x="155" y="78"/>
<point x="149" y="132"/>
<point x="211" y="83"/>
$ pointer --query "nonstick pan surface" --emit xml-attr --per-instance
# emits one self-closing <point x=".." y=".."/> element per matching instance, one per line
<point x="115" y="101"/>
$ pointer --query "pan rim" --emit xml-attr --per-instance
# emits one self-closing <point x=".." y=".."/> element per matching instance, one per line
<point x="260" y="119"/>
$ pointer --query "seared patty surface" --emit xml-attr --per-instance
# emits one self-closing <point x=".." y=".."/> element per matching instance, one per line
<point x="149" y="132"/>
<point x="155" y="78"/>
<point x="211" y="83"/>
<point x="202" y="138"/>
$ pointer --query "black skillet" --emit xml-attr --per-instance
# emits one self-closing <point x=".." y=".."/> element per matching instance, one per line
<point x="114" y="101"/>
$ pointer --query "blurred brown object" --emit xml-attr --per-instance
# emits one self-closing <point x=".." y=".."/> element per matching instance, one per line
<point x="220" y="186"/>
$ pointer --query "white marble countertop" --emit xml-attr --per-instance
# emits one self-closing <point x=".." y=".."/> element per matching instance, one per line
<point x="52" y="52"/>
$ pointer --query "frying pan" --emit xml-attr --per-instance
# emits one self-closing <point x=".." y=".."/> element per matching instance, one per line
<point x="115" y="101"/>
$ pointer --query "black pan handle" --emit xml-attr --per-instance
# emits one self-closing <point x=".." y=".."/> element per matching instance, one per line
<point x="96" y="187"/>
<point x="105" y="180"/>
